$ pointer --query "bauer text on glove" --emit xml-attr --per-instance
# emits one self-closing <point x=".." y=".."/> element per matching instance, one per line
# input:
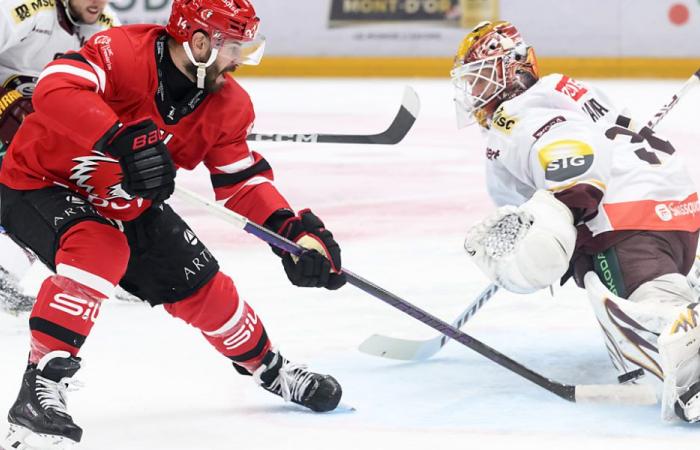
<point x="148" y="171"/>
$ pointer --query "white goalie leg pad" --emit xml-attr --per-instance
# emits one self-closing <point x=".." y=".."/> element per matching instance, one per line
<point x="526" y="248"/>
<point x="630" y="328"/>
<point x="679" y="345"/>
<point x="694" y="278"/>
<point x="661" y="307"/>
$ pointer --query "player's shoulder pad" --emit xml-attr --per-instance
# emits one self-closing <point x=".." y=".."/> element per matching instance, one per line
<point x="21" y="11"/>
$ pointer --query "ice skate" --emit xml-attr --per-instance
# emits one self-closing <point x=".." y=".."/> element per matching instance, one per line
<point x="39" y="419"/>
<point x="679" y="347"/>
<point x="688" y="404"/>
<point x="295" y="383"/>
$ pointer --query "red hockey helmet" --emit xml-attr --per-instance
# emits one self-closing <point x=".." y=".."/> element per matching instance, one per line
<point x="493" y="64"/>
<point x="232" y="27"/>
<point x="220" y="19"/>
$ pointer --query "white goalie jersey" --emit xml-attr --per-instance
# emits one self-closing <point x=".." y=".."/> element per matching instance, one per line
<point x="562" y="135"/>
<point x="33" y="32"/>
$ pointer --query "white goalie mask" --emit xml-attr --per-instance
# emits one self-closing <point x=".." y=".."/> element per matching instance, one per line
<point x="493" y="64"/>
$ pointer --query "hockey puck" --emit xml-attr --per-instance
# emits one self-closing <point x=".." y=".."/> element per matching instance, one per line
<point x="630" y="376"/>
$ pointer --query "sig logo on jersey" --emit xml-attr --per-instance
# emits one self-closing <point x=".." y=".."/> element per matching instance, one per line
<point x="244" y="333"/>
<point x="565" y="159"/>
<point x="503" y="121"/>
<point x="75" y="306"/>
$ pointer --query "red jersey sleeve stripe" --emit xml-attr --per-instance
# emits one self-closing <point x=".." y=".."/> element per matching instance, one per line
<point x="66" y="69"/>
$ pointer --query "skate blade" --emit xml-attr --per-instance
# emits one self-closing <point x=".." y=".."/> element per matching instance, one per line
<point x="343" y="408"/>
<point x="21" y="438"/>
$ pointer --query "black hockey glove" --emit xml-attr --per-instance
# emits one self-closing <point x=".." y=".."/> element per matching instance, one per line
<point x="319" y="266"/>
<point x="148" y="171"/>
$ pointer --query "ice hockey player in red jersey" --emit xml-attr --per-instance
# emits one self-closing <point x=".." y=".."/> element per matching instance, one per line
<point x="31" y="35"/>
<point x="583" y="191"/>
<point x="84" y="183"/>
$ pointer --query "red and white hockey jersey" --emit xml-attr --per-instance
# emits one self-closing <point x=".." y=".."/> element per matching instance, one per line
<point x="562" y="135"/>
<point x="118" y="77"/>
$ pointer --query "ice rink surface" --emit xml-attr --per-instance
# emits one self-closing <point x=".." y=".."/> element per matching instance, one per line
<point x="400" y="213"/>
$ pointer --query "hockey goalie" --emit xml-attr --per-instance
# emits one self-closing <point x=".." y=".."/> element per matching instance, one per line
<point x="584" y="192"/>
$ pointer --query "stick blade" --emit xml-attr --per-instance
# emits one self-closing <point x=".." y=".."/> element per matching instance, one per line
<point x="411" y="101"/>
<point x="399" y="349"/>
<point x="629" y="394"/>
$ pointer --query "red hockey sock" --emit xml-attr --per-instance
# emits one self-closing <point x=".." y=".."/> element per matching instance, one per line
<point x="226" y="321"/>
<point x="63" y="316"/>
<point x="68" y="303"/>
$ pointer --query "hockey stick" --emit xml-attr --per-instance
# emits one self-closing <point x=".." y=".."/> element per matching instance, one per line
<point x="417" y="350"/>
<point x="687" y="86"/>
<point x="630" y="394"/>
<point x="410" y="105"/>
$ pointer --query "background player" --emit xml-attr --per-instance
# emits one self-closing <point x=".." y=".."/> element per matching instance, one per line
<point x="31" y="35"/>
<point x="89" y="171"/>
<point x="584" y="192"/>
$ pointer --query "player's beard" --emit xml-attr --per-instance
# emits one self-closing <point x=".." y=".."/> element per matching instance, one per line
<point x="87" y="14"/>
<point x="215" y="77"/>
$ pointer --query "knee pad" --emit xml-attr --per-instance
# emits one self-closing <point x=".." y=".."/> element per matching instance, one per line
<point x="671" y="289"/>
<point x="93" y="254"/>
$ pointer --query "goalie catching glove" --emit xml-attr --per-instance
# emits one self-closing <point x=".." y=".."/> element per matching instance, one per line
<point x="319" y="266"/>
<point x="525" y="248"/>
<point x="148" y="171"/>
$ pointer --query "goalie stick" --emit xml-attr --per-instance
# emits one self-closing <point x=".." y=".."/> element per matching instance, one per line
<point x="630" y="394"/>
<point x="687" y="86"/>
<point x="416" y="350"/>
<point x="403" y="121"/>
